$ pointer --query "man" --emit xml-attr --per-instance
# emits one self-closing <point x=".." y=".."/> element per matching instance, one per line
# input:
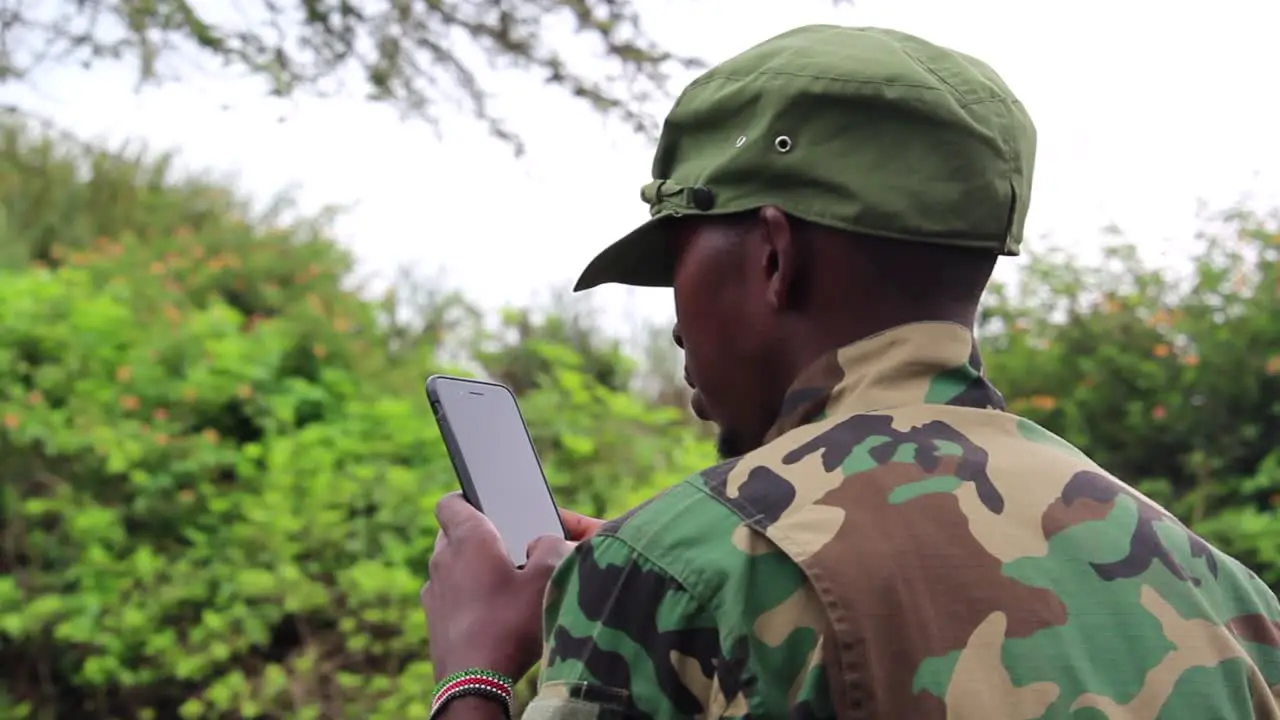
<point x="884" y="540"/>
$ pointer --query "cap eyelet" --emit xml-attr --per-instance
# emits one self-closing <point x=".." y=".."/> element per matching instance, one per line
<point x="742" y="140"/>
<point x="782" y="144"/>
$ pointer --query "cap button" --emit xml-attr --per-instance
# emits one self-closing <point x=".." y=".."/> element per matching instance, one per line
<point x="702" y="198"/>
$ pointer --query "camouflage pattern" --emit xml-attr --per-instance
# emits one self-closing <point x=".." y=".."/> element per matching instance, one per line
<point x="905" y="548"/>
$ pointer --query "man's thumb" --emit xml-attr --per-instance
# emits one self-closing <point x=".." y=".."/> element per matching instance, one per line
<point x="579" y="527"/>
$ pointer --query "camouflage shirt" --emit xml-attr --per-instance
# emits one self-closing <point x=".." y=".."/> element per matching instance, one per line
<point x="904" y="548"/>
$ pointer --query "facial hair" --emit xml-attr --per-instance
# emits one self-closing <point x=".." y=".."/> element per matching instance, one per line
<point x="730" y="444"/>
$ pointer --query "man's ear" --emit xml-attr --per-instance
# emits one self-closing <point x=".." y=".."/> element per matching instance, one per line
<point x="781" y="260"/>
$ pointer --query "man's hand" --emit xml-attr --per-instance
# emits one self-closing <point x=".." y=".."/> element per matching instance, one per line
<point x="482" y="611"/>
<point x="579" y="527"/>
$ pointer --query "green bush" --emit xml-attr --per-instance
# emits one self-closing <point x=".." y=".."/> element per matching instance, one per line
<point x="218" y="467"/>
<point x="1170" y="379"/>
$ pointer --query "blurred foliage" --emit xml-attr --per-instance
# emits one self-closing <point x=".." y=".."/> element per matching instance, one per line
<point x="218" y="469"/>
<point x="1169" y="379"/>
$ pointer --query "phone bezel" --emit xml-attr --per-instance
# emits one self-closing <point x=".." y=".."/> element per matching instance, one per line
<point x="439" y="409"/>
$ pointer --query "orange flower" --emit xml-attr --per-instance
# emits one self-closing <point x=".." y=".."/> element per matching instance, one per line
<point x="36" y="397"/>
<point x="211" y="435"/>
<point x="11" y="421"/>
<point x="124" y="374"/>
<point x="160" y="414"/>
<point x="1044" y="402"/>
<point x="1161" y="350"/>
<point x="245" y="391"/>
<point x="1273" y="365"/>
<point x="130" y="402"/>
<point x="1192" y="360"/>
<point x="320" y="350"/>
<point x="1158" y="412"/>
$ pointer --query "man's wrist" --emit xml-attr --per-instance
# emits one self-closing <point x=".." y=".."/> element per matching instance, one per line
<point x="472" y="707"/>
<point x="498" y="668"/>
<point x="478" y="691"/>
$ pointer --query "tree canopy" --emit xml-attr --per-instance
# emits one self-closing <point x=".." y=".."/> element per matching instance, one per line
<point x="415" y="56"/>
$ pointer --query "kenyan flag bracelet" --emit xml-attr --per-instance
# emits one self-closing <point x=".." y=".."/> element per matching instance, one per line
<point x="474" y="682"/>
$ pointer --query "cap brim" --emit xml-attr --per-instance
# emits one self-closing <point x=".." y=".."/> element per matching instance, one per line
<point x="645" y="257"/>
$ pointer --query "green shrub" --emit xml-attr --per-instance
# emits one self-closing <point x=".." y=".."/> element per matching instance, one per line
<point x="218" y="467"/>
<point x="1169" y="379"/>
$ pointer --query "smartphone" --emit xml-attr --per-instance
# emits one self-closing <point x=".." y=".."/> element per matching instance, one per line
<point x="495" y="460"/>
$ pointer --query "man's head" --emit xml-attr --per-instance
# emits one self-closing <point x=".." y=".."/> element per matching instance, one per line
<point x="761" y="295"/>
<point x="822" y="186"/>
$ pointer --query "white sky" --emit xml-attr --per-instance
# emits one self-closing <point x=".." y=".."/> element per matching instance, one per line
<point x="1143" y="108"/>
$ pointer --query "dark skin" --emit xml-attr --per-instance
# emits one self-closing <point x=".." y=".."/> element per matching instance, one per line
<point x="481" y="611"/>
<point x="759" y="297"/>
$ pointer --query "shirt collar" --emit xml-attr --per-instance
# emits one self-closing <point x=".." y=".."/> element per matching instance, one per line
<point x="917" y="363"/>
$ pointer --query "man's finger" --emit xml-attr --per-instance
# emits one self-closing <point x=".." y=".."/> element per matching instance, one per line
<point x="577" y="526"/>
<point x="438" y="549"/>
<point x="461" y="522"/>
<point x="547" y="550"/>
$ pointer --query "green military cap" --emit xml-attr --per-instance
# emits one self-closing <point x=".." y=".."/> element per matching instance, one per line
<point x="864" y="129"/>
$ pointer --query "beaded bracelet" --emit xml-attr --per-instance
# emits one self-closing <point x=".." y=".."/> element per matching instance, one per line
<point x="477" y="683"/>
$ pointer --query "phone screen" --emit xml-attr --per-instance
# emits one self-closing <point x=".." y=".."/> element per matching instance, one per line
<point x="496" y="452"/>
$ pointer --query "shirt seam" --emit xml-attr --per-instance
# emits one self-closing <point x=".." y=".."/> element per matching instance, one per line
<point x="685" y="586"/>
<point x="702" y="604"/>
<point x="856" y="692"/>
